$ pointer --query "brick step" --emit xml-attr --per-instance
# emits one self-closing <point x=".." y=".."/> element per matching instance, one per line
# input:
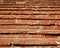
<point x="31" y="27"/>
<point x="30" y="9"/>
<point x="26" y="36"/>
<point x="38" y="22"/>
<point x="29" y="13"/>
<point x="19" y="5"/>
<point x="14" y="1"/>
<point x="29" y="24"/>
<point x="30" y="46"/>
<point x="39" y="3"/>
<point x="30" y="17"/>
<point x="11" y="5"/>
<point x="33" y="0"/>
<point x="30" y="31"/>
<point x="33" y="22"/>
<point x="29" y="41"/>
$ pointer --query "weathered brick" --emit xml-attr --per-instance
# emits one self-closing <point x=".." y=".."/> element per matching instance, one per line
<point x="49" y="36"/>
<point x="7" y="21"/>
<point x="31" y="9"/>
<point x="26" y="16"/>
<point x="51" y="32"/>
<point x="51" y="11"/>
<point x="27" y="27"/>
<point x="12" y="12"/>
<point x="13" y="0"/>
<point x="33" y="47"/>
<point x="37" y="36"/>
<point x="29" y="12"/>
<point x="8" y="30"/>
<point x="7" y="36"/>
<point x="51" y="27"/>
<point x="30" y="36"/>
<point x="39" y="16"/>
<point x="7" y="16"/>
<point x="29" y="41"/>
<point x="8" y="27"/>
<point x="33" y="21"/>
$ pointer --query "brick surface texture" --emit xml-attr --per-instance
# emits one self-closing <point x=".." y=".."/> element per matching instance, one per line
<point x="29" y="23"/>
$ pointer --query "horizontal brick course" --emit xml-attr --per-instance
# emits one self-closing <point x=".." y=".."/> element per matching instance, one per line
<point x="29" y="41"/>
<point x="7" y="22"/>
<point x="33" y="47"/>
<point x="30" y="16"/>
<point x="8" y="27"/>
<point x="29" y="12"/>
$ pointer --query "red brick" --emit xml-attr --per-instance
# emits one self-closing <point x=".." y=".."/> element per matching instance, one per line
<point x="50" y="32"/>
<point x="11" y="6"/>
<point x="7" y="21"/>
<point x="26" y="21"/>
<point x="33" y="47"/>
<point x="26" y="16"/>
<point x="7" y="16"/>
<point x="8" y="9"/>
<point x="44" y="21"/>
<point x="51" y="27"/>
<point x="39" y="16"/>
<point x="43" y="12"/>
<point x="27" y="38"/>
<point x="14" y="0"/>
<point x="29" y="12"/>
<point x="42" y="9"/>
<point x="8" y="27"/>
<point x="33" y="21"/>
<point x="23" y="36"/>
<point x="49" y="36"/>
<point x="30" y="36"/>
<point x="28" y="27"/>
<point x="37" y="27"/>
<point x="27" y="31"/>
<point x="7" y="36"/>
<point x="37" y="36"/>
<point x="48" y="8"/>
<point x="54" y="16"/>
<point x="55" y="21"/>
<point x="5" y="47"/>
<point x="45" y="31"/>
<point x="28" y="41"/>
<point x="12" y="12"/>
<point x="52" y="12"/>
<point x="8" y="30"/>
<point x="38" y="22"/>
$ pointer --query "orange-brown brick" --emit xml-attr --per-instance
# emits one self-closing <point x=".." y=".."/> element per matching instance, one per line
<point x="33" y="21"/>
<point x="8" y="30"/>
<point x="8" y="27"/>
<point x="28" y="27"/>
<point x="49" y="36"/>
<point x="31" y="29"/>
<point x="51" y="27"/>
<point x="7" y="36"/>
<point x="7" y="16"/>
<point x="30" y="36"/>
<point x="7" y="21"/>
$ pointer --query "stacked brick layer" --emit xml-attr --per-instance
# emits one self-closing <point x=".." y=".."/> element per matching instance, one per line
<point x="30" y="22"/>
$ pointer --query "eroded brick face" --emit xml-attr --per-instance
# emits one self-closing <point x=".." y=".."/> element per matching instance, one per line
<point x="27" y="22"/>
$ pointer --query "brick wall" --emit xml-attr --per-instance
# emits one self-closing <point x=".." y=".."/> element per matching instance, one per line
<point x="30" y="24"/>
